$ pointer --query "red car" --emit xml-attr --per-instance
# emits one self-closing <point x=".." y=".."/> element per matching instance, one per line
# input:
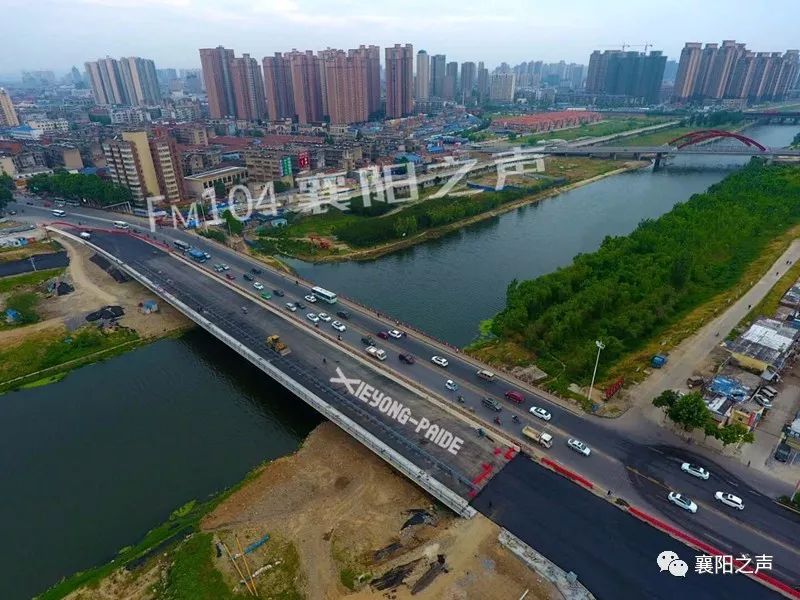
<point x="383" y="335"/>
<point x="515" y="396"/>
<point x="407" y="358"/>
<point x="230" y="276"/>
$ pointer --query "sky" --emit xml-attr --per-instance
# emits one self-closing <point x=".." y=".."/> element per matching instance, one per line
<point x="56" y="34"/>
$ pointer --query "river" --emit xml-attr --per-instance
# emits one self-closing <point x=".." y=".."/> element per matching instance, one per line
<point x="91" y="463"/>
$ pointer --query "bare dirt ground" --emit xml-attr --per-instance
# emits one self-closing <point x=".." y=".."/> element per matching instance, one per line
<point x="94" y="288"/>
<point x="338" y="504"/>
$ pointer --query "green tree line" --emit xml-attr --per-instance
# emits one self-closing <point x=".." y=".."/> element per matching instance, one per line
<point x="74" y="186"/>
<point x="690" y="412"/>
<point x="6" y="187"/>
<point x="636" y="285"/>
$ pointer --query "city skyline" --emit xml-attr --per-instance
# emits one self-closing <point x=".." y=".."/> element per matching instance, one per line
<point x="122" y="28"/>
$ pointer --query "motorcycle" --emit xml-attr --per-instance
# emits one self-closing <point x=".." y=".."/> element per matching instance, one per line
<point x="515" y="418"/>
<point x="497" y="421"/>
<point x="461" y="399"/>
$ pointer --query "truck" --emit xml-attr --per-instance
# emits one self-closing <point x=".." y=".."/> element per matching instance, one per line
<point x="540" y="437"/>
<point x="376" y="352"/>
<point x="197" y="255"/>
<point x="658" y="361"/>
<point x="274" y="342"/>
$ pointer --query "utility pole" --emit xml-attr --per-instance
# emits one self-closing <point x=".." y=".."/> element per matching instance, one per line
<point x="600" y="345"/>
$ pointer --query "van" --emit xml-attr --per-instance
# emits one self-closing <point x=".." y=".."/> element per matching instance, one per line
<point x="121" y="225"/>
<point x="486" y="375"/>
<point x="491" y="403"/>
<point x="515" y="396"/>
<point x="58" y="213"/>
<point x="767" y="392"/>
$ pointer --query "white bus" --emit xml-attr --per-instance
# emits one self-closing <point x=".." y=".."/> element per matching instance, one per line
<point x="324" y="294"/>
<point x="58" y="213"/>
<point x="182" y="246"/>
<point x="121" y="225"/>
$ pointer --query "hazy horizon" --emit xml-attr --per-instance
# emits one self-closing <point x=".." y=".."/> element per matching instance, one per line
<point x="58" y="34"/>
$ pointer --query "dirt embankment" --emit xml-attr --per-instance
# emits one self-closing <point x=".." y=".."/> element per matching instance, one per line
<point x="338" y="519"/>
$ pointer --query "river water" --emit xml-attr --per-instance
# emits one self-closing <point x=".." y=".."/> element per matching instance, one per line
<point x="89" y="464"/>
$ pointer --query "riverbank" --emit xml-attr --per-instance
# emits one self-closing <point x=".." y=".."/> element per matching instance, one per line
<point x="57" y="337"/>
<point x="374" y="252"/>
<point x="332" y="517"/>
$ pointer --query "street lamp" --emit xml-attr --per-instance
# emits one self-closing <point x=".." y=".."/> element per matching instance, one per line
<point x="600" y="345"/>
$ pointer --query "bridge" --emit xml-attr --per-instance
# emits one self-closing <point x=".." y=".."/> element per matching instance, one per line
<point x="773" y="116"/>
<point x="404" y="414"/>
<point x="695" y="142"/>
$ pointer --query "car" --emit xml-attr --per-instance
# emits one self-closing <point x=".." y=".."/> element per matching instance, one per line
<point x="406" y="358"/>
<point x="248" y="277"/>
<point x="339" y="326"/>
<point x="230" y="276"/>
<point x="324" y="317"/>
<point x="367" y="340"/>
<point x="266" y="295"/>
<point x="783" y="452"/>
<point x="730" y="500"/>
<point x="312" y="317"/>
<point x="86" y="235"/>
<point x="540" y="413"/>
<point x="384" y="335"/>
<point x="451" y="385"/>
<point x="579" y="446"/>
<point x="515" y="396"/>
<point x="491" y="403"/>
<point x="310" y="298"/>
<point x="682" y="501"/>
<point x="395" y="334"/>
<point x="291" y="306"/>
<point x="225" y="267"/>
<point x="279" y="293"/>
<point x="258" y="285"/>
<point x="300" y="305"/>
<point x="439" y="361"/>
<point x="207" y="255"/>
<point x="12" y="212"/>
<point x="344" y="314"/>
<point x="695" y="470"/>
<point x="763" y="401"/>
<point x="256" y="271"/>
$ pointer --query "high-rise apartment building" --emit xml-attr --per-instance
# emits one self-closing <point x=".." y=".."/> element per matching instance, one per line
<point x="147" y="167"/>
<point x="483" y="83"/>
<point x="633" y="74"/>
<point x="730" y="71"/>
<point x="502" y="87"/>
<point x="306" y="86"/>
<point x="399" y="81"/>
<point x="422" y="82"/>
<point x="216" y="66"/>
<point x="371" y="55"/>
<point x="346" y="86"/>
<point x="248" y="88"/>
<point x="438" y="66"/>
<point x="468" y="72"/>
<point x="450" y="81"/>
<point x="127" y="81"/>
<point x="8" y="116"/>
<point x="278" y="87"/>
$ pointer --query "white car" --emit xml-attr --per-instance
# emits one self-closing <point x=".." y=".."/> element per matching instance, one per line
<point x="451" y="385"/>
<point x="291" y="306"/>
<point x="225" y="267"/>
<point x="439" y="361"/>
<point x="312" y="317"/>
<point x="730" y="500"/>
<point x="86" y="235"/>
<point x="310" y="298"/>
<point x="695" y="470"/>
<point x="395" y="334"/>
<point x="579" y="446"/>
<point x="324" y="317"/>
<point x="258" y="286"/>
<point x="540" y="413"/>
<point x="682" y="502"/>
<point x="339" y="326"/>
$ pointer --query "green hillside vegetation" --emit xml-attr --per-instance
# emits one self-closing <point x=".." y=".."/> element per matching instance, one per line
<point x="635" y="286"/>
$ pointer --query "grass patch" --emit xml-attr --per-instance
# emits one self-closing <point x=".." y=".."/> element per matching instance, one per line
<point x="283" y="582"/>
<point x="193" y="574"/>
<point x="607" y="127"/>
<point x="25" y="303"/>
<point x="664" y="136"/>
<point x="769" y="304"/>
<point x="43" y="381"/>
<point x="18" y="253"/>
<point x="27" y="280"/>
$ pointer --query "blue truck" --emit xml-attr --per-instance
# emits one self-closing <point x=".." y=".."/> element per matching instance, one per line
<point x="197" y="255"/>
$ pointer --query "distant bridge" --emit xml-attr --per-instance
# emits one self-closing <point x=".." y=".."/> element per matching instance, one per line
<point x="773" y="116"/>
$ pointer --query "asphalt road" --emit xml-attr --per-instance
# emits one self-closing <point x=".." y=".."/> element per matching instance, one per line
<point x="39" y="262"/>
<point x="613" y="554"/>
<point x="618" y="463"/>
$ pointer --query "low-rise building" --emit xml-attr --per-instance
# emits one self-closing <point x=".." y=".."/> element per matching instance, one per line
<point x="766" y="345"/>
<point x="228" y="176"/>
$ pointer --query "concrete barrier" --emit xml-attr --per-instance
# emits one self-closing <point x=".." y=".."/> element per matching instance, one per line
<point x="419" y="476"/>
<point x="561" y="470"/>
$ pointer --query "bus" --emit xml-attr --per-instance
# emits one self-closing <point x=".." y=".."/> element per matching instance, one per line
<point x="324" y="294"/>
<point x="58" y="213"/>
<point x="182" y="246"/>
<point x="121" y="225"/>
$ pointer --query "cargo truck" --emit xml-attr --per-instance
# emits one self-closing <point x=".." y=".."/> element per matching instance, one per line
<point x="274" y="342"/>
<point x="540" y="437"/>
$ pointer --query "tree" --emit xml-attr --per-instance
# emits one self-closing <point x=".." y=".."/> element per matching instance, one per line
<point x="6" y="185"/>
<point x="734" y="433"/>
<point x="219" y="190"/>
<point x="666" y="399"/>
<point x="689" y="411"/>
<point x="235" y="226"/>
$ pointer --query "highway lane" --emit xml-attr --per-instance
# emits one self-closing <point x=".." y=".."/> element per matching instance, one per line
<point x="613" y="554"/>
<point x="612" y="454"/>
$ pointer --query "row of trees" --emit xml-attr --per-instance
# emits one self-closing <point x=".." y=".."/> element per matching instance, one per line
<point x="690" y="412"/>
<point x="634" y="286"/>
<point x="74" y="186"/>
<point x="6" y="187"/>
<point x="429" y="214"/>
<point x="713" y="119"/>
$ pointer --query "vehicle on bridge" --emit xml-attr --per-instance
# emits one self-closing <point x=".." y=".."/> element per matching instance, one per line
<point x="540" y="413"/>
<point x="491" y="403"/>
<point x="274" y="342"/>
<point x="579" y="446"/>
<point x="375" y="352"/>
<point x="486" y="375"/>
<point x="440" y="361"/>
<point x="695" y="470"/>
<point x="406" y="358"/>
<point x="730" y="500"/>
<point x="682" y="501"/>
<point x="539" y="437"/>
<point x="197" y="255"/>
<point x="181" y="245"/>
<point x="515" y="396"/>
<point x="324" y="295"/>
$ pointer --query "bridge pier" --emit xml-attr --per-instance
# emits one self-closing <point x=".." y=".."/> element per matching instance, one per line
<point x="657" y="162"/>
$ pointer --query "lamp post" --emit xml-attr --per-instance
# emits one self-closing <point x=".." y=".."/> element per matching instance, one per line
<point x="600" y="345"/>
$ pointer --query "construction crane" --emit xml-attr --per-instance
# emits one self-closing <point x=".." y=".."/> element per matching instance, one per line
<point x="624" y="46"/>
